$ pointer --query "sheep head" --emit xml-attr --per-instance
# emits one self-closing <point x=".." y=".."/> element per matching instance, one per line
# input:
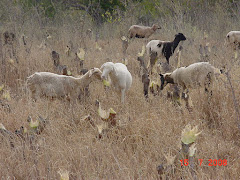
<point x="155" y="27"/>
<point x="106" y="69"/>
<point x="97" y="72"/>
<point x="165" y="79"/>
<point x="180" y="36"/>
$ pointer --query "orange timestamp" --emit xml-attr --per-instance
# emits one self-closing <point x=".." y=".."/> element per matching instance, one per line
<point x="211" y="162"/>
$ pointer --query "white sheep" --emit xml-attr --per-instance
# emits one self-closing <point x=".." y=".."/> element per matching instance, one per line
<point x="142" y="31"/>
<point x="201" y="74"/>
<point x="59" y="86"/>
<point x="233" y="39"/>
<point x="197" y="74"/>
<point x="120" y="77"/>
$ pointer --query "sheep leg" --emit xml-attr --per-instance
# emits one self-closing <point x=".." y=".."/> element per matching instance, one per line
<point x="167" y="58"/>
<point x="36" y="94"/>
<point x="188" y="101"/>
<point x="122" y="95"/>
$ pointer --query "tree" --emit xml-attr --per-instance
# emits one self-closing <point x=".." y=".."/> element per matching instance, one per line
<point x="99" y="10"/>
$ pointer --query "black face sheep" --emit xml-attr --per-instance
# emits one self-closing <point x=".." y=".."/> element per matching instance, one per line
<point x="233" y="39"/>
<point x="158" y="48"/>
<point x="196" y="74"/>
<point x="201" y="74"/>
<point x="142" y="31"/>
<point x="58" y="86"/>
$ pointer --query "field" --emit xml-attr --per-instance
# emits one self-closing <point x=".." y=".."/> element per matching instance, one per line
<point x="147" y="131"/>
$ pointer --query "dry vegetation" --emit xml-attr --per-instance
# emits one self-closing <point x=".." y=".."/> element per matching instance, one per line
<point x="146" y="130"/>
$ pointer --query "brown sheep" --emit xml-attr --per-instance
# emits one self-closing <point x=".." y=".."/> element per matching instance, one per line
<point x="142" y="31"/>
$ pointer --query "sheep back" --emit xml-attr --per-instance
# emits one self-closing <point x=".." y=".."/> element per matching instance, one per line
<point x="142" y="31"/>
<point x="120" y="77"/>
<point x="193" y="75"/>
<point x="51" y="85"/>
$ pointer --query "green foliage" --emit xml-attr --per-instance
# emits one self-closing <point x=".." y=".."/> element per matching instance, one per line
<point x="44" y="6"/>
<point x="149" y="7"/>
<point x="106" y="10"/>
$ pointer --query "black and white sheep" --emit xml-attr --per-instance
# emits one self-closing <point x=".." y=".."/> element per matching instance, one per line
<point x="158" y="48"/>
<point x="142" y="31"/>
<point x="59" y="86"/>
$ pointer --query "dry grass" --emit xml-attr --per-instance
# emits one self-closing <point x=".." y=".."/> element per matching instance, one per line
<point x="146" y="130"/>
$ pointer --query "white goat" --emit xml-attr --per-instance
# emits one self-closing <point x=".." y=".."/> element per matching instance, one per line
<point x="54" y="85"/>
<point x="233" y="39"/>
<point x="142" y="31"/>
<point x="120" y="77"/>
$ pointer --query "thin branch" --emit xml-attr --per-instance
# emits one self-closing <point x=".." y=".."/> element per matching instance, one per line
<point x="234" y="99"/>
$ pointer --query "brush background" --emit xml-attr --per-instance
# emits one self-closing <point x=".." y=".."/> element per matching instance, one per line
<point x="148" y="129"/>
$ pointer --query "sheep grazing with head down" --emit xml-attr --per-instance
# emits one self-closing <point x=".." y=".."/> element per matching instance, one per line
<point x="197" y="74"/>
<point x="157" y="48"/>
<point x="233" y="39"/>
<point x="201" y="74"/>
<point x="142" y="31"/>
<point x="59" y="86"/>
<point x="120" y="77"/>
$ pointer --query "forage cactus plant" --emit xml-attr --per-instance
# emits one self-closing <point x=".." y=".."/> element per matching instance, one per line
<point x="141" y="54"/>
<point x="188" y="138"/>
<point x="36" y="126"/>
<point x="81" y="54"/>
<point x="108" y="118"/>
<point x="64" y="174"/>
<point x="189" y="135"/>
<point x="106" y="115"/>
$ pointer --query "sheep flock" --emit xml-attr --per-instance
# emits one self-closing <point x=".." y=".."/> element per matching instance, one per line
<point x="144" y="77"/>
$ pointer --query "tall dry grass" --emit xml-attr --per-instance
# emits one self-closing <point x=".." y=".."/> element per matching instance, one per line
<point x="147" y="130"/>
